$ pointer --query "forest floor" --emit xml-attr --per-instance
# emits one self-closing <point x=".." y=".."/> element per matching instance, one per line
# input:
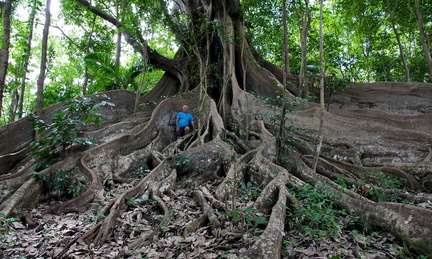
<point x="60" y="236"/>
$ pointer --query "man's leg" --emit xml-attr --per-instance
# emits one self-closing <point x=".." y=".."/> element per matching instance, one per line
<point x="186" y="130"/>
<point x="180" y="133"/>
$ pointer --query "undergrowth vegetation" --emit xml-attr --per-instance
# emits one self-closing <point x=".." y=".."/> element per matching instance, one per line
<point x="61" y="133"/>
<point x="318" y="222"/>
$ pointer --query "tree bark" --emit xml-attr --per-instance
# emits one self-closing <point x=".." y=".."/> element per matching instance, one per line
<point x="397" y="35"/>
<point x="322" y="103"/>
<point x="424" y="37"/>
<point x="119" y="13"/>
<point x="14" y="101"/>
<point x="87" y="51"/>
<point x="304" y="32"/>
<point x="26" y="60"/>
<point x="4" y="51"/>
<point x="43" y="64"/>
<point x="285" y="53"/>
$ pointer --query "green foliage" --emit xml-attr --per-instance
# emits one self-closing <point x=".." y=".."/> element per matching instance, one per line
<point x="66" y="122"/>
<point x="386" y="182"/>
<point x="320" y="219"/>
<point x="183" y="162"/>
<point x="143" y="170"/>
<point x="134" y="201"/>
<point x="62" y="133"/>
<point x="384" y="189"/>
<point x="282" y="106"/>
<point x="249" y="191"/>
<point x="75" y="190"/>
<point x="248" y="216"/>
<point x="111" y="74"/>
<point x="341" y="182"/>
<point x="4" y="227"/>
<point x="60" y="182"/>
<point x="318" y="216"/>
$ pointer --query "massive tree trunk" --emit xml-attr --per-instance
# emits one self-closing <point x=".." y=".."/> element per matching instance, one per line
<point x="361" y="141"/>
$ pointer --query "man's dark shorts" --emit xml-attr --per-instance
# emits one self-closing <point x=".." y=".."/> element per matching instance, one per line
<point x="181" y="132"/>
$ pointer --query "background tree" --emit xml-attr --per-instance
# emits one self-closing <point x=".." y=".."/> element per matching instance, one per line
<point x="392" y="9"/>
<point x="321" y="86"/>
<point x="43" y="63"/>
<point x="304" y="22"/>
<point x="4" y="51"/>
<point x="26" y="59"/>
<point x="425" y="40"/>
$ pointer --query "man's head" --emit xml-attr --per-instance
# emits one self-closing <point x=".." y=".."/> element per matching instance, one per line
<point x="185" y="108"/>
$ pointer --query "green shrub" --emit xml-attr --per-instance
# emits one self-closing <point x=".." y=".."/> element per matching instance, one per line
<point x="318" y="216"/>
<point x="62" y="132"/>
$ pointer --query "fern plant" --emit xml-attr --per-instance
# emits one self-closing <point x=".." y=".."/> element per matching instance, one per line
<point x="111" y="75"/>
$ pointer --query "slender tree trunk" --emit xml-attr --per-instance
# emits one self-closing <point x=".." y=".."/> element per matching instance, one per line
<point x="26" y="60"/>
<point x="424" y="37"/>
<point x="43" y="64"/>
<point x="142" y="80"/>
<point x="401" y="52"/>
<point x="14" y="99"/>
<point x="245" y="70"/>
<point x="366" y="52"/>
<point x="286" y="66"/>
<point x="397" y="35"/>
<point x="86" y="79"/>
<point x="119" y="34"/>
<point x="285" y="69"/>
<point x="304" y="31"/>
<point x="322" y="103"/>
<point x="4" y="51"/>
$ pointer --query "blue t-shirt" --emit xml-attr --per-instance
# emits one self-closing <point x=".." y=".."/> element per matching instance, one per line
<point x="184" y="119"/>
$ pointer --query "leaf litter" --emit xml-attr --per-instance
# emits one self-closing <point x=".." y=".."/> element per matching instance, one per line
<point x="139" y="233"/>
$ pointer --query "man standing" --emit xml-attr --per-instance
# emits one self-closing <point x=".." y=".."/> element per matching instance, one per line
<point x="184" y="120"/>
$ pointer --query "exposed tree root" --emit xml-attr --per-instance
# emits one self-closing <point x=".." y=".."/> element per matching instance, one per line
<point x="213" y="201"/>
<point x="8" y="161"/>
<point x="30" y="192"/>
<point x="81" y="201"/>
<point x="148" y="183"/>
<point x="402" y="219"/>
<point x="208" y="215"/>
<point x="269" y="243"/>
<point x="90" y="235"/>
<point x="31" y="188"/>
